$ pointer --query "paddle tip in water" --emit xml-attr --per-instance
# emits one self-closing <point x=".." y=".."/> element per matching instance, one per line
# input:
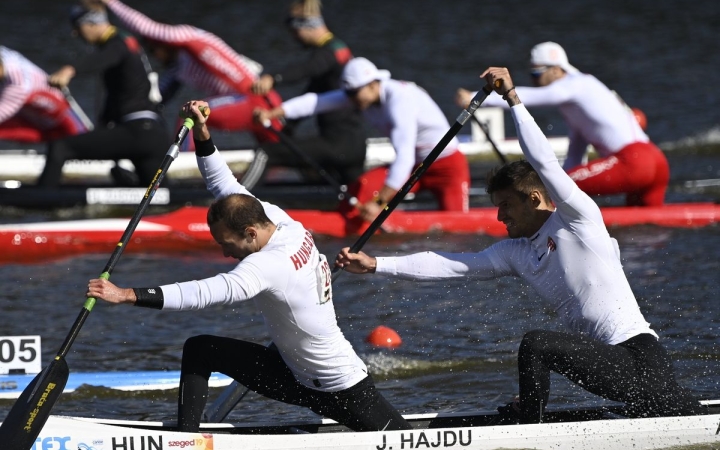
<point x="383" y="336"/>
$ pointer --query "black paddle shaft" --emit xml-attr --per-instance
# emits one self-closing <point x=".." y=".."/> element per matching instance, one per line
<point x="484" y="127"/>
<point x="130" y="229"/>
<point x="32" y="409"/>
<point x="290" y="143"/>
<point x="421" y="169"/>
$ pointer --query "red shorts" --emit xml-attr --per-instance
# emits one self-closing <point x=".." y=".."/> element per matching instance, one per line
<point x="234" y="112"/>
<point x="447" y="178"/>
<point x="45" y="116"/>
<point x="639" y="170"/>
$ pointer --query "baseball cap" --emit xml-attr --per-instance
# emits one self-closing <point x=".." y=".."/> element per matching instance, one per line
<point x="551" y="54"/>
<point x="80" y="15"/>
<point x="359" y="71"/>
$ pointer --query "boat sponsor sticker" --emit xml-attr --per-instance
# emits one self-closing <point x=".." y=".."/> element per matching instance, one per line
<point x="426" y="439"/>
<point x="185" y="441"/>
<point x="124" y="196"/>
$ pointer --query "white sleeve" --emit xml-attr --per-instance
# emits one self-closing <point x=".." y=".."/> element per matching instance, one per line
<point x="242" y="283"/>
<point x="221" y="182"/>
<point x="403" y="135"/>
<point x="568" y="198"/>
<point x="553" y="94"/>
<point x="441" y="265"/>
<point x="311" y="103"/>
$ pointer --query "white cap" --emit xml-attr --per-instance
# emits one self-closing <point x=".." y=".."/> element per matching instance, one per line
<point x="359" y="71"/>
<point x="551" y="54"/>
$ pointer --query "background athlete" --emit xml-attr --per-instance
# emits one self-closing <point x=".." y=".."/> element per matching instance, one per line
<point x="30" y="109"/>
<point x="129" y="125"/>
<point x="628" y="164"/>
<point x="202" y="60"/>
<point x="411" y="119"/>
<point x="340" y="145"/>
<point x="559" y="245"/>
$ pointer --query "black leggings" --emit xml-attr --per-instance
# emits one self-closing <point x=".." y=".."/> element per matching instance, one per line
<point x="261" y="369"/>
<point x="637" y="372"/>
<point x="142" y="141"/>
<point x="344" y="158"/>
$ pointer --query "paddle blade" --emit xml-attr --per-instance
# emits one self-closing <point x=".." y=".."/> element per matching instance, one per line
<point x="32" y="409"/>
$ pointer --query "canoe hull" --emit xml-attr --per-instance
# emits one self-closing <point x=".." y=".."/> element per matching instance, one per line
<point x="186" y="229"/>
<point x="71" y="433"/>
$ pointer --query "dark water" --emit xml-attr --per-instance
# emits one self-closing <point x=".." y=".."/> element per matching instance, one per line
<point x="459" y="340"/>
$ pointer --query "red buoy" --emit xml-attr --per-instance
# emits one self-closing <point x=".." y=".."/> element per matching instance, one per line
<point x="383" y="336"/>
<point x="640" y="117"/>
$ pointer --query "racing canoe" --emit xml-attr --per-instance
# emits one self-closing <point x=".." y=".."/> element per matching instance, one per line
<point x="186" y="230"/>
<point x="580" y="429"/>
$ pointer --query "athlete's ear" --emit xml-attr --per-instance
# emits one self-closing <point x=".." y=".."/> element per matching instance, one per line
<point x="536" y="199"/>
<point x="250" y="233"/>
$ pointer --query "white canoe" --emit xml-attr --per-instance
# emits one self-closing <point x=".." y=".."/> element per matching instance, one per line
<point x="27" y="165"/>
<point x="593" y="429"/>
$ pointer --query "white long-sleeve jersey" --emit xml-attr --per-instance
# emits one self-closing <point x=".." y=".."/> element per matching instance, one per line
<point x="406" y="114"/>
<point x="290" y="283"/>
<point x="572" y="262"/>
<point x="593" y="113"/>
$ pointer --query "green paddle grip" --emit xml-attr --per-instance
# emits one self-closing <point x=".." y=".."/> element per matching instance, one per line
<point x="90" y="302"/>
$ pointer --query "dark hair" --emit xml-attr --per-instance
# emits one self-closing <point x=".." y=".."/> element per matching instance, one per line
<point x="238" y="212"/>
<point x="517" y="175"/>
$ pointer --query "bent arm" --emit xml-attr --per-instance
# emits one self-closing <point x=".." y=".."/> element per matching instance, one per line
<point x="138" y="23"/>
<point x="553" y="94"/>
<point x="310" y="104"/>
<point x="568" y="198"/>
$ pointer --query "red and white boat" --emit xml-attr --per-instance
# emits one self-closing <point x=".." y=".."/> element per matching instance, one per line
<point x="186" y="229"/>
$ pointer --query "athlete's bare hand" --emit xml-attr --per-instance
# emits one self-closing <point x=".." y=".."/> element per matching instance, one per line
<point x="463" y="97"/>
<point x="105" y="290"/>
<point x="359" y="262"/>
<point x="62" y="77"/>
<point x="498" y="79"/>
<point x="263" y="85"/>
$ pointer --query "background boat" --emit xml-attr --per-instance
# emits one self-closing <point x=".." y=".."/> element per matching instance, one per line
<point x="186" y="228"/>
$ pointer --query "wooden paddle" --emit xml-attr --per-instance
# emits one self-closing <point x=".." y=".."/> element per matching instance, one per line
<point x="32" y="409"/>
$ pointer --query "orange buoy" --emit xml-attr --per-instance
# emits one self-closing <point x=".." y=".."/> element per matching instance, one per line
<point x="640" y="117"/>
<point x="383" y="336"/>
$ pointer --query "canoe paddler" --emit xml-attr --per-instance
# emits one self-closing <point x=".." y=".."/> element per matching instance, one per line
<point x="339" y="147"/>
<point x="129" y="126"/>
<point x="310" y="363"/>
<point x="628" y="163"/>
<point x="201" y="60"/>
<point x="559" y="245"/>
<point x="30" y="109"/>
<point x="412" y="120"/>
